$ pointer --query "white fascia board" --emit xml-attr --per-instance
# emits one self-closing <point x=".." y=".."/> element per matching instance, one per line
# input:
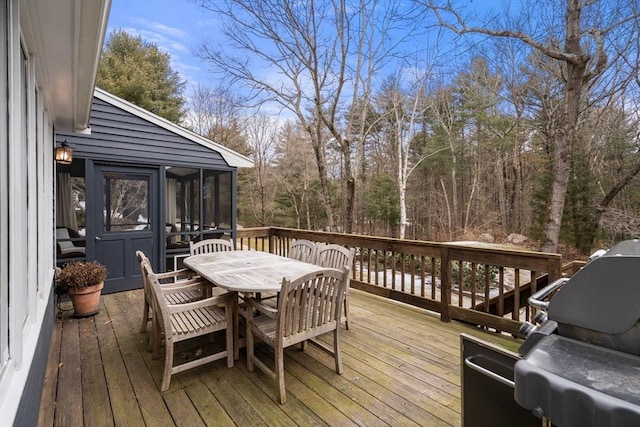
<point x="94" y="17"/>
<point x="66" y="37"/>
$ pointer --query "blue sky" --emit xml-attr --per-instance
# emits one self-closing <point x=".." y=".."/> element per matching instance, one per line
<point x="176" y="26"/>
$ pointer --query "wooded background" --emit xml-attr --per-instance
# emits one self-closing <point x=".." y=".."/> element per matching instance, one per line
<point x="434" y="120"/>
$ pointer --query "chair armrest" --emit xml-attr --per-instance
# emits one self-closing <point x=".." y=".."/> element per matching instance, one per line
<point x="264" y="309"/>
<point x="207" y="302"/>
<point x="186" y="272"/>
<point x="183" y="285"/>
<point x="191" y="285"/>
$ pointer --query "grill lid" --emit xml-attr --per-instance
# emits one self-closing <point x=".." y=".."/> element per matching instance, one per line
<point x="604" y="295"/>
<point x="574" y="383"/>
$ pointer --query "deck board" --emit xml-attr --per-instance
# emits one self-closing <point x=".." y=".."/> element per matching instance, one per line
<point x="401" y="367"/>
<point x="95" y="402"/>
<point x="69" y="393"/>
<point x="47" y="408"/>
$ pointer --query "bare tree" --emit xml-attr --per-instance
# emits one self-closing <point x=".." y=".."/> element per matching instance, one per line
<point x="261" y="133"/>
<point x="589" y="27"/>
<point x="320" y="57"/>
<point x="617" y="164"/>
<point x="295" y="163"/>
<point x="216" y="114"/>
<point x="405" y="105"/>
<point x="443" y="115"/>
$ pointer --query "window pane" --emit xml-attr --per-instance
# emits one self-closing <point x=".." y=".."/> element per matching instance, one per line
<point x="188" y="197"/>
<point x="225" y="201"/>
<point x="78" y="186"/>
<point x="126" y="203"/>
<point x="209" y="201"/>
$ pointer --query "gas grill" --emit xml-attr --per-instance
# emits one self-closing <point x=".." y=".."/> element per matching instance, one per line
<point x="580" y="365"/>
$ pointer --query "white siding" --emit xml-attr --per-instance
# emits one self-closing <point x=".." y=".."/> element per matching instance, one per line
<point x="26" y="210"/>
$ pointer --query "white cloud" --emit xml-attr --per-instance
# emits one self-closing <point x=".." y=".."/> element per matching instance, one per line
<point x="169" y="31"/>
<point x="158" y="26"/>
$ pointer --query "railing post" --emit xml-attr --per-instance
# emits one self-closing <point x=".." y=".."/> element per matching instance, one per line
<point x="555" y="269"/>
<point x="271" y="242"/>
<point x="445" y="284"/>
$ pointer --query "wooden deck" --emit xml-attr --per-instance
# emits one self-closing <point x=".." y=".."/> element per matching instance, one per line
<point x="401" y="367"/>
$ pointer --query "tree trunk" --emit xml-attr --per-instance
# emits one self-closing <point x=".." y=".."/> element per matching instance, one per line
<point x="608" y="198"/>
<point x="563" y="137"/>
<point x="350" y="184"/>
<point x="318" y="148"/>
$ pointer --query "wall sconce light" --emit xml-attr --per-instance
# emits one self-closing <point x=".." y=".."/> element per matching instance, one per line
<point x="64" y="154"/>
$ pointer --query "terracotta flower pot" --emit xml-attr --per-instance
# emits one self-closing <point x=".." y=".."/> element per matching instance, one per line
<point x="85" y="301"/>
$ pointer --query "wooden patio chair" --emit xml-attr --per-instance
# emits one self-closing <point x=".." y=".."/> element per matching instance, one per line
<point x="187" y="320"/>
<point x="209" y="245"/>
<point x="178" y="276"/>
<point x="219" y="245"/>
<point x="308" y="306"/>
<point x="300" y="250"/>
<point x="336" y="256"/>
<point x="303" y="250"/>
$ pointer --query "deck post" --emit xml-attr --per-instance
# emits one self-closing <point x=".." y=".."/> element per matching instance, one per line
<point x="271" y="242"/>
<point x="445" y="284"/>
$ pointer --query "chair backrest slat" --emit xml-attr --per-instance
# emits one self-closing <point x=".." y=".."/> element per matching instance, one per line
<point x="303" y="250"/>
<point x="334" y="256"/>
<point x="311" y="301"/>
<point x="209" y="245"/>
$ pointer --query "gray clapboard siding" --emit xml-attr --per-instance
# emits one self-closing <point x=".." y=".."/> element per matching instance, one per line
<point x="119" y="136"/>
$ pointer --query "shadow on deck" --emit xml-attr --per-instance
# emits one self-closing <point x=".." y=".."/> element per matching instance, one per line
<point x="401" y="367"/>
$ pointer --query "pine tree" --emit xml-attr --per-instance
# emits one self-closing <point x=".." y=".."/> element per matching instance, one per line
<point x="141" y="73"/>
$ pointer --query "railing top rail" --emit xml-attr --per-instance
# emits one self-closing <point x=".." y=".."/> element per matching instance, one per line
<point x="460" y="250"/>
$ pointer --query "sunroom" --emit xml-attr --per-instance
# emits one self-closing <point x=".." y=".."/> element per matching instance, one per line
<point x="140" y="182"/>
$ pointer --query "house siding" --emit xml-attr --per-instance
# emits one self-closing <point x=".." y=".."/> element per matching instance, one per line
<point x="29" y="407"/>
<point x="119" y="136"/>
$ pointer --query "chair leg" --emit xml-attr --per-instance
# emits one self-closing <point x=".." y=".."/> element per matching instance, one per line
<point x="236" y="329"/>
<point x="249" y="338"/>
<point x="346" y="309"/>
<point x="168" y="364"/>
<point x="145" y="316"/>
<point x="337" y="353"/>
<point x="151" y="338"/>
<point x="230" y="334"/>
<point x="279" y="365"/>
<point x="156" y="338"/>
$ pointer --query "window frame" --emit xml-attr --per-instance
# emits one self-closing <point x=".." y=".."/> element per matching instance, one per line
<point x="4" y="198"/>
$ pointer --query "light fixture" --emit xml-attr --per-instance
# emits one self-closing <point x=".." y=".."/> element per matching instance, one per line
<point x="64" y="154"/>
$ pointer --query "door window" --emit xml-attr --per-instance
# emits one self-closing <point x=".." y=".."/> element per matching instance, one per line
<point x="125" y="203"/>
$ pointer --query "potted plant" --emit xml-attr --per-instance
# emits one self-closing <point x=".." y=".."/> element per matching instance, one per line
<point x="83" y="281"/>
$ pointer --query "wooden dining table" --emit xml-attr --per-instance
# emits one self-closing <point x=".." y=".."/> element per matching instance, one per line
<point x="248" y="271"/>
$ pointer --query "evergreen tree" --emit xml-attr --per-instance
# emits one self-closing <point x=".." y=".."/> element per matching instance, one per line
<point x="141" y="73"/>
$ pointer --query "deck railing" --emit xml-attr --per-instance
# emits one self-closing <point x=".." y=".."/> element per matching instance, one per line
<point x="486" y="285"/>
